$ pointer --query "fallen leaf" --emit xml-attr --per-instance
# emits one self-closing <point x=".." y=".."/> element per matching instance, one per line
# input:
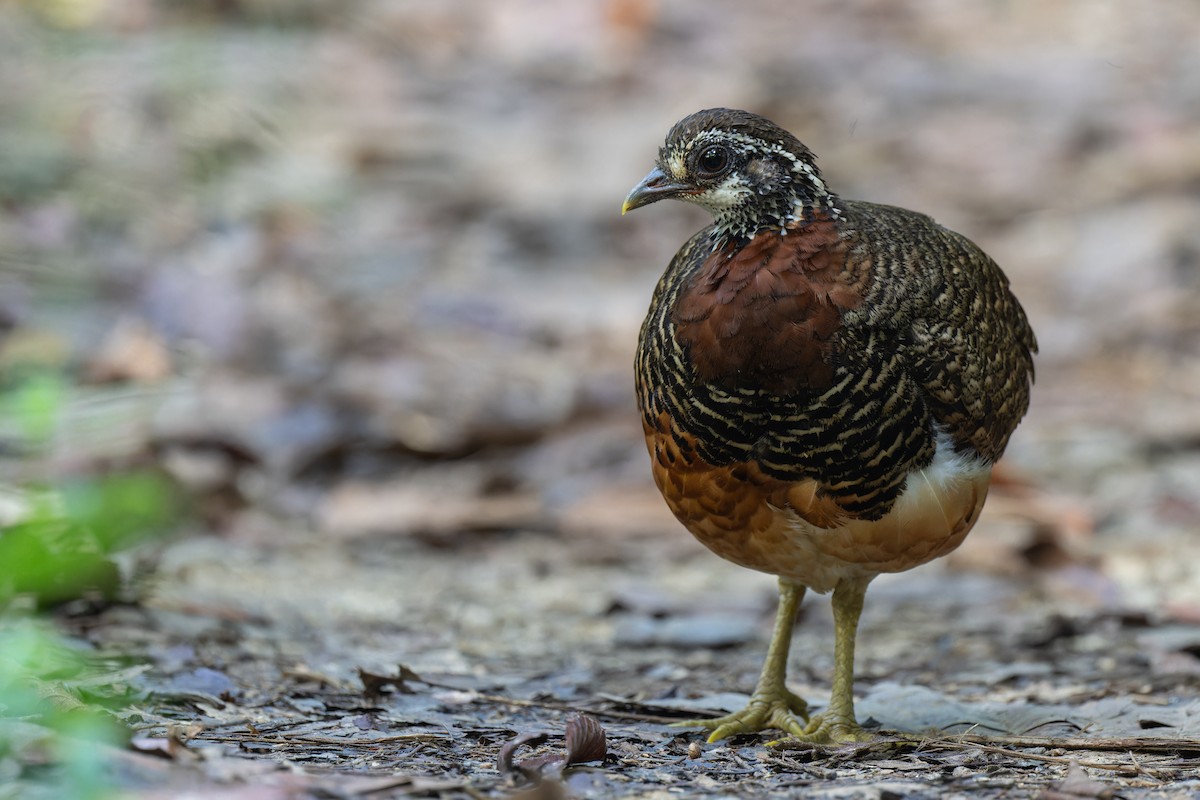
<point x="373" y="682"/>
<point x="161" y="746"/>
<point x="504" y="761"/>
<point x="132" y="351"/>
<point x="585" y="740"/>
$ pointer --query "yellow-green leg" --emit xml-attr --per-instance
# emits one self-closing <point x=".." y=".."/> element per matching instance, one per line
<point x="771" y="705"/>
<point x="837" y="722"/>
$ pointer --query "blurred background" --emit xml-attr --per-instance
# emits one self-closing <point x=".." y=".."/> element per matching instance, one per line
<point x="351" y="271"/>
<point x="342" y="262"/>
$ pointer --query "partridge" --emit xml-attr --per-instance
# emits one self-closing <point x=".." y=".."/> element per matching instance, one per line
<point x="824" y="386"/>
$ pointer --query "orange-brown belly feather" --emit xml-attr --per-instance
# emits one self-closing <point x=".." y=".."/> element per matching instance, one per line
<point x="790" y="529"/>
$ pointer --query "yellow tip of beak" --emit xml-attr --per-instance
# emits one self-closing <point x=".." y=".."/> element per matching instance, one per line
<point x="624" y="208"/>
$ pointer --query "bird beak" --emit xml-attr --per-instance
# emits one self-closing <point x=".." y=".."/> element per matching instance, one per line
<point x="654" y="187"/>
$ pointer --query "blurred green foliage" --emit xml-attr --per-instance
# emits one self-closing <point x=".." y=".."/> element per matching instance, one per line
<point x="32" y="402"/>
<point x="58" y="549"/>
<point x="51" y="740"/>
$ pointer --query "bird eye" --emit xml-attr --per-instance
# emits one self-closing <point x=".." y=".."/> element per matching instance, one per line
<point x="713" y="160"/>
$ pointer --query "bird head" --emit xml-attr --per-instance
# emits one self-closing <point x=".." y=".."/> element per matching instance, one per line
<point x="748" y="172"/>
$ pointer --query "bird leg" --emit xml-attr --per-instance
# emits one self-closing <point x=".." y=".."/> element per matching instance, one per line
<point x="771" y="705"/>
<point x="837" y="723"/>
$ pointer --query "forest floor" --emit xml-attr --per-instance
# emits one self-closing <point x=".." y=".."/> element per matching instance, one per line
<point x="354" y="278"/>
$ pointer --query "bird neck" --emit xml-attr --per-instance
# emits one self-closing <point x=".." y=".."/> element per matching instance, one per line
<point x="808" y="202"/>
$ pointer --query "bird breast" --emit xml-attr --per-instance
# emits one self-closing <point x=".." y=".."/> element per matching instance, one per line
<point x="763" y="315"/>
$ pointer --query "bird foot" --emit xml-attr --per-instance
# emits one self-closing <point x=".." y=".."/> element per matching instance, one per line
<point x="776" y="709"/>
<point x="827" y="728"/>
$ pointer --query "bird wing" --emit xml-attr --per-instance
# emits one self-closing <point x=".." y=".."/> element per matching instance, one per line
<point x="946" y="310"/>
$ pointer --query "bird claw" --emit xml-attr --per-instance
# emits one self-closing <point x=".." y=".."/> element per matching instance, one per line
<point x="827" y="728"/>
<point x="777" y="709"/>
